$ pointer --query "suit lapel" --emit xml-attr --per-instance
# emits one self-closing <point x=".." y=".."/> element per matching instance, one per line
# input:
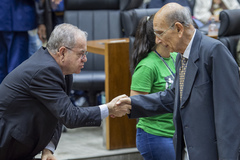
<point x="192" y="68"/>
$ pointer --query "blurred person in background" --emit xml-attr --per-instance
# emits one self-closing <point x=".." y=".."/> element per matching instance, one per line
<point x="205" y="11"/>
<point x="49" y="14"/>
<point x="17" y="18"/>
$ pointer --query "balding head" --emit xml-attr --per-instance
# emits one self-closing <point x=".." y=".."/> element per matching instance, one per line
<point x="173" y="27"/>
<point x="174" y="12"/>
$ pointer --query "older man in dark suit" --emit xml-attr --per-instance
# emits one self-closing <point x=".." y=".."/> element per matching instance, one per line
<point x="205" y="96"/>
<point x="34" y="102"/>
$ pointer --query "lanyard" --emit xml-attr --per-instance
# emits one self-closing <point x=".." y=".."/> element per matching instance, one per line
<point x="166" y="63"/>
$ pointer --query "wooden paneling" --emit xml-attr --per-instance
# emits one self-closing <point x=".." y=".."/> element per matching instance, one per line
<point x="120" y="132"/>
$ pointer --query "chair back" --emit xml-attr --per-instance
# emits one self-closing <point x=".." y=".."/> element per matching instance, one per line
<point x="101" y="20"/>
<point x="229" y="31"/>
<point x="130" y="21"/>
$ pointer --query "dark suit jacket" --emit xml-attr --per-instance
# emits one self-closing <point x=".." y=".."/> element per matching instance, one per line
<point x="33" y="102"/>
<point x="209" y="114"/>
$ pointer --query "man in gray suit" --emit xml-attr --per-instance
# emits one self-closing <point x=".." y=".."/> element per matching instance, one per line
<point x="34" y="102"/>
<point x="207" y="109"/>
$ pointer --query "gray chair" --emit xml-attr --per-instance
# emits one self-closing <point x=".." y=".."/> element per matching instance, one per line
<point x="229" y="31"/>
<point x="101" y="20"/>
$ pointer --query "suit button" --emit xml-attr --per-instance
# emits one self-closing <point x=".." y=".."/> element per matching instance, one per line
<point x="182" y="106"/>
<point x="186" y="126"/>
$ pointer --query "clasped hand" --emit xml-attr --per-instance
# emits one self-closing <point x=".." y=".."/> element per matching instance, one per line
<point x="119" y="106"/>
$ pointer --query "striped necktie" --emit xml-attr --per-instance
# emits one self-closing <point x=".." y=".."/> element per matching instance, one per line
<point x="182" y="72"/>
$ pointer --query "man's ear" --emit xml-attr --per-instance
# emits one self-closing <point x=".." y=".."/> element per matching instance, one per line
<point x="180" y="28"/>
<point x="61" y="53"/>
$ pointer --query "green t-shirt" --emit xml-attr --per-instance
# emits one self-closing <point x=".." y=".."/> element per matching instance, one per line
<point x="152" y="75"/>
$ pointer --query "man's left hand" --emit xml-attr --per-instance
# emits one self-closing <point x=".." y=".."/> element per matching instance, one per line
<point x="47" y="155"/>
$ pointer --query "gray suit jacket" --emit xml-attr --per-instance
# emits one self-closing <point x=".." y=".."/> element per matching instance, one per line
<point x="209" y="114"/>
<point x="33" y="105"/>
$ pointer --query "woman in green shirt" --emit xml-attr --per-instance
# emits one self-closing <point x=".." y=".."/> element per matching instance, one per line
<point x="154" y="71"/>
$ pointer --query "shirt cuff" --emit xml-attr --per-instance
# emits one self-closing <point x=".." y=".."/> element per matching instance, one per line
<point x="104" y="111"/>
<point x="50" y="147"/>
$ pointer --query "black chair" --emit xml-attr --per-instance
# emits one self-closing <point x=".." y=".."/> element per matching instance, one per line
<point x="229" y="31"/>
<point x="130" y="20"/>
<point x="101" y="20"/>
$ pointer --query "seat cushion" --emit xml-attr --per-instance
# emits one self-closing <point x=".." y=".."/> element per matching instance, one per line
<point x="89" y="80"/>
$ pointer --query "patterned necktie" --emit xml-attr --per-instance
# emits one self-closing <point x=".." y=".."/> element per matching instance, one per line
<point x="182" y="72"/>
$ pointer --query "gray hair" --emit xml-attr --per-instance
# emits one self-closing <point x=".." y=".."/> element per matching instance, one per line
<point x="182" y="15"/>
<point x="64" y="35"/>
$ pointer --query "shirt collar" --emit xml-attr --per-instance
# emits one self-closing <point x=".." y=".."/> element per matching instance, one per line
<point x="188" y="49"/>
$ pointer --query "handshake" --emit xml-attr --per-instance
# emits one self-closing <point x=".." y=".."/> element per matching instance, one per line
<point x="119" y="106"/>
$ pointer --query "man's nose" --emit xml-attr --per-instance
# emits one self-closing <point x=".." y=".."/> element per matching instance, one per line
<point x="84" y="59"/>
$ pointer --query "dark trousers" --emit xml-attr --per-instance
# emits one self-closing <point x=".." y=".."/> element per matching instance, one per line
<point x="16" y="151"/>
<point x="13" y="51"/>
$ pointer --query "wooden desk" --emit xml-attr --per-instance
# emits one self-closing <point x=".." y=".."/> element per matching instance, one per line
<point x="120" y="132"/>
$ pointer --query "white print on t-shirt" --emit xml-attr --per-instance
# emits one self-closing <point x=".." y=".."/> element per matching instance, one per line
<point x="169" y="81"/>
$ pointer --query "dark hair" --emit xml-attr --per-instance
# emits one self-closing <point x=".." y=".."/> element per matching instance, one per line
<point x="144" y="40"/>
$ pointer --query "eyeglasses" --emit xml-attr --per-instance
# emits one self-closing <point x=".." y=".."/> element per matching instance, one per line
<point x="161" y="34"/>
<point x="82" y="55"/>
